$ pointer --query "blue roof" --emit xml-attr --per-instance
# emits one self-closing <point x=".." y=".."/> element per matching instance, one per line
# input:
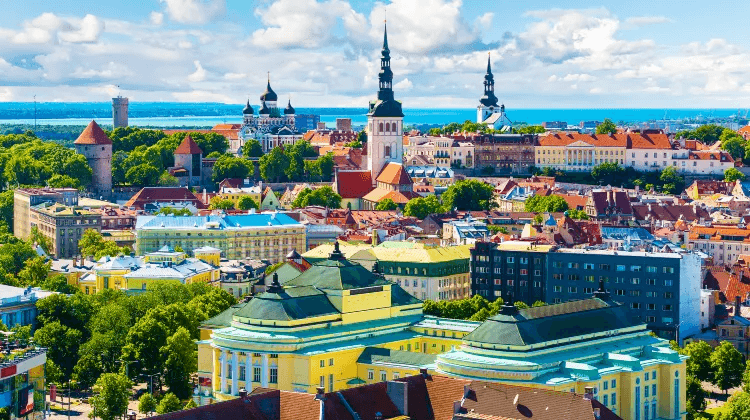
<point x="222" y="222"/>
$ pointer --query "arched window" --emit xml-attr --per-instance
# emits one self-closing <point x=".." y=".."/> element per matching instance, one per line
<point x="387" y="127"/>
<point x="387" y="151"/>
<point x="380" y="128"/>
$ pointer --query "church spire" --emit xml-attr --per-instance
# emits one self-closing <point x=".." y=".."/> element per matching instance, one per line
<point x="385" y="76"/>
<point x="489" y="99"/>
<point x="489" y="65"/>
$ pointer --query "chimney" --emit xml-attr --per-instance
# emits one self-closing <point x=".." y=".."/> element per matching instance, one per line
<point x="398" y="393"/>
<point x="320" y="396"/>
<point x="597" y="413"/>
<point x="588" y="393"/>
<point x="243" y="393"/>
<point x="456" y="407"/>
<point x="423" y="372"/>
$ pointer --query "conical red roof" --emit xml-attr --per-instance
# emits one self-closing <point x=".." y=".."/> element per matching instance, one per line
<point x="188" y="147"/>
<point x="93" y="134"/>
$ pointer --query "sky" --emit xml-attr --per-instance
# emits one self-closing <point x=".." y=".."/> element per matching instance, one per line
<point x="324" y="53"/>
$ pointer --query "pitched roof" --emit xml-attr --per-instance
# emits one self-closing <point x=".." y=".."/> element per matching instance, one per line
<point x="394" y="174"/>
<point x="93" y="134"/>
<point x="353" y="184"/>
<point x="188" y="147"/>
<point x="399" y="197"/>
<point x="163" y="194"/>
<point x="617" y="202"/>
<point x="670" y="212"/>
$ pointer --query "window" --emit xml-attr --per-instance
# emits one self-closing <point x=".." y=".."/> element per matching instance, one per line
<point x="572" y="265"/>
<point x="653" y="386"/>
<point x="604" y="267"/>
<point x="620" y="268"/>
<point x="242" y="374"/>
<point x="668" y="270"/>
<point x="557" y="264"/>
<point x="605" y="385"/>
<point x="383" y="376"/>
<point x="667" y="295"/>
<point x="668" y="283"/>
<point x="370" y="374"/>
<point x="635" y="268"/>
<point x="613" y="385"/>
<point x="322" y="381"/>
<point x="256" y="374"/>
<point x="614" y="398"/>
<point x="646" y="390"/>
<point x="558" y="289"/>
<point x="588" y="266"/>
<point x="273" y="376"/>
<point x="650" y="269"/>
<point x="635" y="280"/>
<point x="572" y="289"/>
<point x="396" y="375"/>
<point x="635" y="293"/>
<point x="523" y="272"/>
<point x="330" y="362"/>
<point x="509" y="260"/>
<point x="620" y="292"/>
<point x="651" y="307"/>
<point x="330" y="383"/>
<point x="645" y="376"/>
<point x="604" y="400"/>
<point x="524" y="260"/>
<point x="510" y="271"/>
<point x="635" y="305"/>
<point x="322" y="363"/>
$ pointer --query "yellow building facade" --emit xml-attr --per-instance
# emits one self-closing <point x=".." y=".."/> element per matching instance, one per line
<point x="339" y="325"/>
<point x="261" y="236"/>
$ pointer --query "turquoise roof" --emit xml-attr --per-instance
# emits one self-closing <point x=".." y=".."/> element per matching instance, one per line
<point x="221" y="222"/>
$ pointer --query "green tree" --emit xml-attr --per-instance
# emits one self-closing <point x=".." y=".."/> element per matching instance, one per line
<point x="672" y="182"/>
<point x="576" y="214"/>
<point x="167" y="180"/>
<point x="114" y="392"/>
<point x="168" y="404"/>
<point x="145" y="175"/>
<point x="62" y="345"/>
<point x="386" y="204"/>
<point x="146" y="404"/>
<point x="708" y="134"/>
<point x="733" y="174"/>
<point x="220" y="203"/>
<point x="736" y="408"/>
<point x="177" y="212"/>
<point x="362" y="137"/>
<point x="180" y="361"/>
<point x="190" y="404"/>
<point x="93" y="244"/>
<point x="728" y="366"/>
<point x="35" y="271"/>
<point x="36" y="237"/>
<point x="246" y="203"/>
<point x="538" y="303"/>
<point x="606" y="127"/>
<point x="228" y="166"/>
<point x="273" y="165"/>
<point x="422" y="207"/>
<point x="6" y="209"/>
<point x="323" y="196"/>
<point x="696" y="396"/>
<point x="699" y="363"/>
<point x="734" y="144"/>
<point x="97" y="356"/>
<point x="542" y="204"/>
<point x="608" y="173"/>
<point x="469" y="195"/>
<point x="252" y="149"/>
<point x="59" y="283"/>
<point x="63" y="181"/>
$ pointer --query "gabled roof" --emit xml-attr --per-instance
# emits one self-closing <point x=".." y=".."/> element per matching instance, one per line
<point x="394" y="174"/>
<point x="163" y="194"/>
<point x="353" y="184"/>
<point x="93" y="134"/>
<point x="188" y="147"/>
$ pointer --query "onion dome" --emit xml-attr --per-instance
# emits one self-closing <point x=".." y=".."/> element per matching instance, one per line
<point x="269" y="95"/>
<point x="248" y="109"/>
<point x="289" y="110"/>
<point x="264" y="109"/>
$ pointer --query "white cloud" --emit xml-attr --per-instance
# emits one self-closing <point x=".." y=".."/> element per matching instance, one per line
<point x="424" y="25"/>
<point x="304" y="23"/>
<point x="49" y="28"/>
<point x="156" y="18"/>
<point x="635" y="22"/>
<point x="235" y="76"/>
<point x="6" y="95"/>
<point x="87" y="29"/>
<point x="404" y="85"/>
<point x="200" y="73"/>
<point x="194" y="11"/>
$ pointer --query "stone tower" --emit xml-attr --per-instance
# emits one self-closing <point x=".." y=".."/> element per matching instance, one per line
<point x="119" y="112"/>
<point x="384" y="120"/>
<point x="96" y="147"/>
<point x="488" y="102"/>
<point x="189" y="156"/>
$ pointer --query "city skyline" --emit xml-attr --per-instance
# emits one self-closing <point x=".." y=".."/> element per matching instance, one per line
<point x="325" y="53"/>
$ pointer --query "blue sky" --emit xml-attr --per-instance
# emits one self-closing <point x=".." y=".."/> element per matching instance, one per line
<point x="551" y="54"/>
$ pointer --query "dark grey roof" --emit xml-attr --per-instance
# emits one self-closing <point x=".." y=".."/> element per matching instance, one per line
<point x="248" y="110"/>
<point x="553" y="322"/>
<point x="377" y="354"/>
<point x="289" y="110"/>
<point x="289" y="304"/>
<point x="488" y="99"/>
<point x="223" y="319"/>
<point x="269" y="94"/>
<point x="400" y="297"/>
<point x="388" y="108"/>
<point x="264" y="109"/>
<point x="338" y="274"/>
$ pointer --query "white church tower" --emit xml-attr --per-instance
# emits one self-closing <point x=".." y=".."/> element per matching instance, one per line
<point x="488" y="102"/>
<point x="385" y="120"/>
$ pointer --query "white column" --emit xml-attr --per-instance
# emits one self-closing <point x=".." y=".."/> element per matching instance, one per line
<point x="264" y="372"/>
<point x="248" y="372"/>
<point x="223" y="361"/>
<point x="235" y="373"/>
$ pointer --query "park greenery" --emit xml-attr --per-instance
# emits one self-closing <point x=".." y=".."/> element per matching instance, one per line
<point x="545" y="204"/>
<point x="422" y="207"/>
<point x="386" y="204"/>
<point x="323" y="196"/>
<point x="475" y="308"/>
<point x="295" y="163"/>
<point x="469" y="194"/>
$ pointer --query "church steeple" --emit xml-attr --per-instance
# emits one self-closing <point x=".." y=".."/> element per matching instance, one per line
<point x="489" y="98"/>
<point x="386" y="75"/>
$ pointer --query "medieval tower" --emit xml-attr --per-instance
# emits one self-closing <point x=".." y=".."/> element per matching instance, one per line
<point x="96" y="147"/>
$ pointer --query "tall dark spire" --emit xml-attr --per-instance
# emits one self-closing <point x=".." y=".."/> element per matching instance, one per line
<point x="386" y="75"/>
<point x="489" y="98"/>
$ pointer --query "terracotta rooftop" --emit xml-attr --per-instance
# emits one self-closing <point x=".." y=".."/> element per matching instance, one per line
<point x="163" y="194"/>
<point x="353" y="184"/>
<point x="188" y="147"/>
<point x="394" y="174"/>
<point x="93" y="134"/>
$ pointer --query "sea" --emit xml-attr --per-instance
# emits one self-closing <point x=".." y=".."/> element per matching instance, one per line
<point x="166" y="114"/>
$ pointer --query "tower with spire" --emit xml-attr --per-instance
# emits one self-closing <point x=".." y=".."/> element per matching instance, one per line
<point x="488" y="102"/>
<point x="384" y="119"/>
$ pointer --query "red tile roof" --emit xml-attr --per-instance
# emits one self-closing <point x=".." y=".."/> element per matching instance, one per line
<point x="399" y="197"/>
<point x="575" y="202"/>
<point x="353" y="184"/>
<point x="394" y="174"/>
<point x="670" y="212"/>
<point x="188" y="147"/>
<point x="93" y="134"/>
